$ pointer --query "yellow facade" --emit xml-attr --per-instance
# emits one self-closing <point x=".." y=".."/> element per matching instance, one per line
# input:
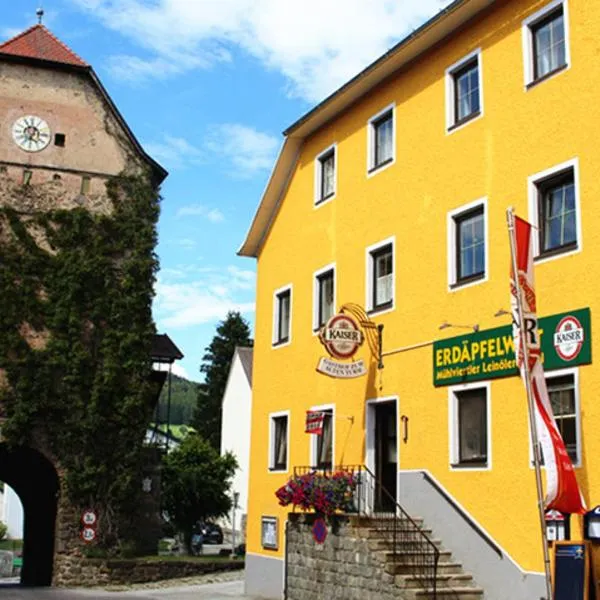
<point x="522" y="131"/>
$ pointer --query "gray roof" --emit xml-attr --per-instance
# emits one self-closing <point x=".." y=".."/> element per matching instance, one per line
<point x="245" y="355"/>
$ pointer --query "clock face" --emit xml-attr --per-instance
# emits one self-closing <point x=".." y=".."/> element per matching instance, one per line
<point x="31" y="133"/>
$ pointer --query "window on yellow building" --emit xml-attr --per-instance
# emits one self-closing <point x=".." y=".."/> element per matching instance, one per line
<point x="324" y="296"/>
<point x="380" y="276"/>
<point x="279" y="439"/>
<point x="282" y="317"/>
<point x="381" y="140"/>
<point x="469" y="417"/>
<point x="562" y="389"/>
<point x="324" y="443"/>
<point x="546" y="42"/>
<point x="555" y="211"/>
<point x="325" y="175"/>
<point x="464" y="90"/>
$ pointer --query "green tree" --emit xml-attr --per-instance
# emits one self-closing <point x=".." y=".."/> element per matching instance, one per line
<point x="195" y="484"/>
<point x="232" y="331"/>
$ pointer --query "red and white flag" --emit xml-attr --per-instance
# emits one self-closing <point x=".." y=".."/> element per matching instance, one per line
<point x="314" y="422"/>
<point x="562" y="491"/>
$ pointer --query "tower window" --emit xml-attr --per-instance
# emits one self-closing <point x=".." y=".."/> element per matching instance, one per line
<point x="59" y="139"/>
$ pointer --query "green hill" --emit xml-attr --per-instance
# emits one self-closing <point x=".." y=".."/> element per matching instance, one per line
<point x="184" y="394"/>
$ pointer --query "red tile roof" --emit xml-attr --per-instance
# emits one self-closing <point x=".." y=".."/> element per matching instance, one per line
<point x="37" y="42"/>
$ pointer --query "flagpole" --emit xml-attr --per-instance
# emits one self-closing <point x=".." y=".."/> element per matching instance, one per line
<point x="530" y="400"/>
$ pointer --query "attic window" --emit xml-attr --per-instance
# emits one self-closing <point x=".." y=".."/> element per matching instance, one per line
<point x="59" y="139"/>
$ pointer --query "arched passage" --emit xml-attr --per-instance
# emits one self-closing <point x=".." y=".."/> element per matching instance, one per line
<point x="34" y="479"/>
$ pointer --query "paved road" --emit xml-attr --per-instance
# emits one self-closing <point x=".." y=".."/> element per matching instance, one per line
<point x="231" y="590"/>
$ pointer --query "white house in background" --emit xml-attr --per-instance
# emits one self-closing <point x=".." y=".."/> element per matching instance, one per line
<point x="11" y="513"/>
<point x="235" y="425"/>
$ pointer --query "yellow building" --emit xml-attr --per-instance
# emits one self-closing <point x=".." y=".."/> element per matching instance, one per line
<point x="392" y="194"/>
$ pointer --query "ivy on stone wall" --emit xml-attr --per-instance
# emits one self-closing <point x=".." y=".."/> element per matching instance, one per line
<point x="75" y="333"/>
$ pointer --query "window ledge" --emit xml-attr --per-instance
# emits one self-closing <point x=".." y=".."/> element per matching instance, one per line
<point x="556" y="251"/>
<point x="280" y="343"/>
<point x="277" y="470"/>
<point x="380" y="165"/>
<point x="381" y="308"/>
<point x="464" y="120"/>
<point x="463" y="282"/>
<point x="470" y="465"/>
<point x="543" y="78"/>
<point x="324" y="199"/>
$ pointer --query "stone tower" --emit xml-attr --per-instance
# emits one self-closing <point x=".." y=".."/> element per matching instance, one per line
<point x="62" y="138"/>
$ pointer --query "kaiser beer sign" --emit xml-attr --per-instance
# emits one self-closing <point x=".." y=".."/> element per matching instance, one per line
<point x="341" y="337"/>
<point x="565" y="340"/>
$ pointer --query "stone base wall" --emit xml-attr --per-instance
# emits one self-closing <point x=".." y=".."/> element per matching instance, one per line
<point x="342" y="567"/>
<point x="98" y="572"/>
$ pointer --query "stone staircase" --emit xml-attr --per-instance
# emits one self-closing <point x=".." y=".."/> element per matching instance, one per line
<point x="452" y="582"/>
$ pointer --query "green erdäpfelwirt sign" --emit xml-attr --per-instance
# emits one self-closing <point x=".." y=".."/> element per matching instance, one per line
<point x="565" y="338"/>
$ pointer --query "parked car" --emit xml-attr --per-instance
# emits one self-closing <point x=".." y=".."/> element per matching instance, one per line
<point x="212" y="533"/>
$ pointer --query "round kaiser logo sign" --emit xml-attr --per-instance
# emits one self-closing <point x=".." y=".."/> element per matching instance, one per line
<point x="342" y="337"/>
<point x="568" y="338"/>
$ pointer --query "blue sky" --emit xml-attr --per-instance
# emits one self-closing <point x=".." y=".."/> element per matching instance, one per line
<point x="207" y="86"/>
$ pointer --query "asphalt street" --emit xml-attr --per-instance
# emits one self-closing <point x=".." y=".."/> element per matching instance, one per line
<point x="230" y="590"/>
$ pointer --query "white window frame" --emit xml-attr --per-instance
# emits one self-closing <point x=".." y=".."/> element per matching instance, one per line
<point x="453" y="284"/>
<point x="533" y="183"/>
<point x="271" y="463"/>
<point x="316" y="295"/>
<point x="369" y="271"/>
<point x="318" y="201"/>
<point x="527" y="37"/>
<point x="275" y="337"/>
<point x="451" y="124"/>
<point x="313" y="441"/>
<point x="453" y="428"/>
<point x="574" y="371"/>
<point x="372" y="169"/>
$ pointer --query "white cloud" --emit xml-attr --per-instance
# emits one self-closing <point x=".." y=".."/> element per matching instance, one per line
<point x="316" y="45"/>
<point x="248" y="150"/>
<point x="212" y="293"/>
<point x="214" y="215"/>
<point x="174" y="152"/>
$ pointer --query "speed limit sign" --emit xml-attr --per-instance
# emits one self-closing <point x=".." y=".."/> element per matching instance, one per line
<point x="88" y="534"/>
<point x="89" y="517"/>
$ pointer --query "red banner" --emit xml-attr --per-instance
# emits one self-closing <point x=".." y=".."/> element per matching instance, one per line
<point x="314" y="422"/>
<point x="562" y="491"/>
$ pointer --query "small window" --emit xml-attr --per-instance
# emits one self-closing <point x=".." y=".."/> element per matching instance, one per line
<point x="554" y="210"/>
<point x="27" y="175"/>
<point x="283" y="316"/>
<point x="279" y="443"/>
<point x="381" y="140"/>
<point x="324" y="443"/>
<point x="59" y="140"/>
<point x="325" y="181"/>
<point x="546" y="42"/>
<point x="464" y="90"/>
<point x="324" y="299"/>
<point x="562" y="394"/>
<point x="381" y="277"/>
<point x="470" y="245"/>
<point x="558" y="218"/>
<point x="472" y="440"/>
<point x="85" y="185"/>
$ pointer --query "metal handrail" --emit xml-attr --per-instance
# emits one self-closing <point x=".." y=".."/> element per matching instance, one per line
<point x="409" y="544"/>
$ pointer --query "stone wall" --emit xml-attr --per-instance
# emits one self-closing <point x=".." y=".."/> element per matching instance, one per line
<point x="93" y="572"/>
<point x="342" y="567"/>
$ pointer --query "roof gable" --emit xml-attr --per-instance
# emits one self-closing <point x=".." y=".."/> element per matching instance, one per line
<point x="38" y="43"/>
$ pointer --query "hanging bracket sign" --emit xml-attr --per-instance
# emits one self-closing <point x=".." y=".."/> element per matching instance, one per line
<point x="341" y="337"/>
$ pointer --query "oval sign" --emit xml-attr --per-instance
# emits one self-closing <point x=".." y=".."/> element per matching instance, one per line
<point x="88" y="534"/>
<point x="341" y="336"/>
<point x="568" y="338"/>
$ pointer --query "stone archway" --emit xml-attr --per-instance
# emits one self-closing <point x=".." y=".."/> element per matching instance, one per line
<point x="34" y="479"/>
